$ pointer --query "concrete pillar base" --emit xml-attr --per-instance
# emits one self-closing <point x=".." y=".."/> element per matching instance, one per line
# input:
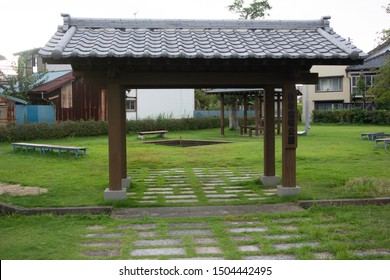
<point x="269" y="180"/>
<point x="115" y="195"/>
<point x="126" y="183"/>
<point x="288" y="191"/>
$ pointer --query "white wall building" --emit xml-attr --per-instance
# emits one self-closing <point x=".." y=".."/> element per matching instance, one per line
<point x="154" y="103"/>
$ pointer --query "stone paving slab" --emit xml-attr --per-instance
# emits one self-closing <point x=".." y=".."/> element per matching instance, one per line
<point x="245" y="239"/>
<point x="175" y="186"/>
<point x="158" y="242"/>
<point x="158" y="252"/>
<point x="208" y="250"/>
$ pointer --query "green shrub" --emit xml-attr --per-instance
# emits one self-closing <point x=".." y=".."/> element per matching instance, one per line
<point x="354" y="116"/>
<point x="31" y="131"/>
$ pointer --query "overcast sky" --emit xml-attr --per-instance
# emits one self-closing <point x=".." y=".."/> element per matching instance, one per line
<point x="27" y="24"/>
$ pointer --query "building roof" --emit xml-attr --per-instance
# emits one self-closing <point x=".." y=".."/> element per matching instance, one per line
<point x="372" y="63"/>
<point x="54" y="81"/>
<point x="16" y="100"/>
<point x="199" y="39"/>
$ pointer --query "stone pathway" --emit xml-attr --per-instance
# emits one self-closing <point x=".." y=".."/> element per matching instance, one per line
<point x="195" y="186"/>
<point x="276" y="239"/>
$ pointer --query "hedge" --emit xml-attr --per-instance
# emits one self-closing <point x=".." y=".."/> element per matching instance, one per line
<point x="32" y="131"/>
<point x="353" y="116"/>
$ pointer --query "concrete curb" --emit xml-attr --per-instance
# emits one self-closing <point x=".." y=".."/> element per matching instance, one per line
<point x="189" y="212"/>
<point x="344" y="202"/>
<point x="7" y="209"/>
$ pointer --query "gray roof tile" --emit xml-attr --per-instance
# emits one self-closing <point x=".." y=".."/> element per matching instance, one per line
<point x="198" y="39"/>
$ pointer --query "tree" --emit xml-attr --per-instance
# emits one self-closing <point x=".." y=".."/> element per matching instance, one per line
<point x="19" y="85"/>
<point x="385" y="34"/>
<point x="381" y="88"/>
<point x="205" y="101"/>
<point x="256" y="10"/>
<point x="361" y="88"/>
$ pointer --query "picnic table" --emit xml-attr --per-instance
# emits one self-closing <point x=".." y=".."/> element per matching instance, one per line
<point x="142" y="134"/>
<point x="384" y="140"/>
<point x="43" y="148"/>
<point x="370" y="135"/>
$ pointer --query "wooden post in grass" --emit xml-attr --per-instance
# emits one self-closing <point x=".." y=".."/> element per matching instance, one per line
<point x="222" y="115"/>
<point x="116" y="142"/>
<point x="289" y="141"/>
<point x="269" y="178"/>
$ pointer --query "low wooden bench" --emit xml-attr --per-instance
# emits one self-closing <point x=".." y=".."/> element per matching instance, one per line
<point x="384" y="140"/>
<point x="43" y="148"/>
<point x="142" y="134"/>
<point x="245" y="128"/>
<point x="370" y="135"/>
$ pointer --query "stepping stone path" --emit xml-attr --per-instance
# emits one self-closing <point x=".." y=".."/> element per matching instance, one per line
<point x="245" y="240"/>
<point x="190" y="186"/>
<point x="276" y="239"/>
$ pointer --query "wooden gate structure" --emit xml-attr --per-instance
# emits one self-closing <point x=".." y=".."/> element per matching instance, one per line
<point x="139" y="53"/>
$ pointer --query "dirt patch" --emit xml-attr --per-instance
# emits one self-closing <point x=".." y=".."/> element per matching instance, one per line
<point x="15" y="190"/>
<point x="186" y="143"/>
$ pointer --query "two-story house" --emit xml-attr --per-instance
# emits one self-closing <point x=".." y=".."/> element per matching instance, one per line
<point x="337" y="86"/>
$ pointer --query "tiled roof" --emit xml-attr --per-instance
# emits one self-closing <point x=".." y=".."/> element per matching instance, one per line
<point x="372" y="63"/>
<point x="207" y="39"/>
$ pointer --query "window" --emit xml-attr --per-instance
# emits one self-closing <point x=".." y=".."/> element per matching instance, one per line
<point x="329" y="84"/>
<point x="131" y="100"/>
<point x="131" y="104"/>
<point x="328" y="106"/>
<point x="369" y="79"/>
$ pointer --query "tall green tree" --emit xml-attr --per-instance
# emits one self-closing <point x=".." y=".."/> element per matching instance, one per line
<point x="385" y="34"/>
<point x="256" y="10"/>
<point x="381" y="88"/>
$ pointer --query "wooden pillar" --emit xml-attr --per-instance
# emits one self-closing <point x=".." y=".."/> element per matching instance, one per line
<point x="261" y="117"/>
<point x="269" y="178"/>
<point x="116" y="141"/>
<point x="269" y="132"/>
<point x="278" y="99"/>
<point x="257" y="107"/>
<point x="222" y="115"/>
<point x="123" y="134"/>
<point x="289" y="141"/>
<point x="245" y="113"/>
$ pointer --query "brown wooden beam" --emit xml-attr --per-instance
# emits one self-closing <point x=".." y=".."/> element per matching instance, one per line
<point x="198" y="79"/>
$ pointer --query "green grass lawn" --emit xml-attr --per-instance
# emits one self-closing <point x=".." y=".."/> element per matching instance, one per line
<point x="339" y="232"/>
<point x="331" y="163"/>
